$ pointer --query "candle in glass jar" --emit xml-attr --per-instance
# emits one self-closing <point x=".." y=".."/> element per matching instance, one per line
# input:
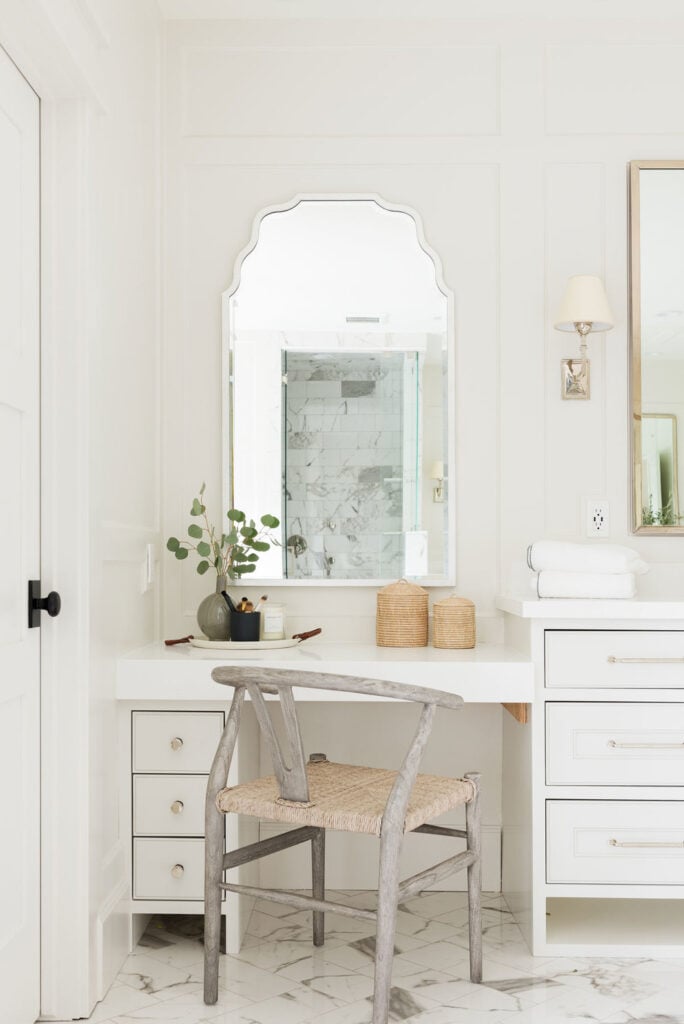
<point x="272" y="621"/>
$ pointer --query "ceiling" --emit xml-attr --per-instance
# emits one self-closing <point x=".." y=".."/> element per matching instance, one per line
<point x="422" y="9"/>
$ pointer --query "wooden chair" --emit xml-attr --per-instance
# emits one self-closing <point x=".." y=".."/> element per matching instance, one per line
<point x="318" y="795"/>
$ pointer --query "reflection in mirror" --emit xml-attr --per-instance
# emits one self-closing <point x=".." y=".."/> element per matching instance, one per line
<point x="339" y="359"/>
<point x="659" y="472"/>
<point x="657" y="259"/>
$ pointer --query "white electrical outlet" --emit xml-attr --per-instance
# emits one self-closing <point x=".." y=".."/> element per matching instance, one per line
<point x="597" y="521"/>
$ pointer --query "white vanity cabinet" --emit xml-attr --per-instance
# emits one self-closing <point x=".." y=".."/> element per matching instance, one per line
<point x="171" y="754"/>
<point x="603" y="802"/>
<point x="166" y="751"/>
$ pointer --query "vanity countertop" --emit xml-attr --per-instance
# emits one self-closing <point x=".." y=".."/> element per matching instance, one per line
<point x="489" y="673"/>
<point x="581" y="608"/>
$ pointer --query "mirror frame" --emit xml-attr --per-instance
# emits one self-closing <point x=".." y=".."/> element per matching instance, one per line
<point x="228" y="426"/>
<point x="635" y="166"/>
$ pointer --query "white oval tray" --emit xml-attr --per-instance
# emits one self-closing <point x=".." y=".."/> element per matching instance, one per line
<point x="245" y="645"/>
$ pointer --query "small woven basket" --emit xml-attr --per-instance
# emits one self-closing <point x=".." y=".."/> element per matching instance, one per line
<point x="453" y="623"/>
<point x="402" y="617"/>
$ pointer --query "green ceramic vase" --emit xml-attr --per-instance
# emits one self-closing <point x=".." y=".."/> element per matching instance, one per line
<point x="213" y="615"/>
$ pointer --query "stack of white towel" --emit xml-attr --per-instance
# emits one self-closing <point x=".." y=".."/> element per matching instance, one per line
<point x="584" y="570"/>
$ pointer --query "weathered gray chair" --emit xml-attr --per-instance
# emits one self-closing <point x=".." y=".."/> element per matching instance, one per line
<point x="321" y="795"/>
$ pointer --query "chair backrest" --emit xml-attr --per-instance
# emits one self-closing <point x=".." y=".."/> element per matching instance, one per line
<point x="289" y="764"/>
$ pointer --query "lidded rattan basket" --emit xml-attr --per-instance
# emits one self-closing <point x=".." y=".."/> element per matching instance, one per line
<point x="453" y="623"/>
<point x="402" y="617"/>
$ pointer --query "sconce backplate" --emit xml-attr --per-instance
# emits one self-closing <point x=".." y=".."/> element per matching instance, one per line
<point x="575" y="379"/>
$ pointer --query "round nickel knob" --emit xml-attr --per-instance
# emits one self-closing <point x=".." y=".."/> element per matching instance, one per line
<point x="177" y="870"/>
<point x="177" y="807"/>
<point x="176" y="743"/>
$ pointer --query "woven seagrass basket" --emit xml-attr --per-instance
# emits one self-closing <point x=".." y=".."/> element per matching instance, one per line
<point x="402" y="616"/>
<point x="453" y="623"/>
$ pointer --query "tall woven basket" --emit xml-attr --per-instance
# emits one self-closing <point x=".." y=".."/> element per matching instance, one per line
<point x="453" y="623"/>
<point x="402" y="617"/>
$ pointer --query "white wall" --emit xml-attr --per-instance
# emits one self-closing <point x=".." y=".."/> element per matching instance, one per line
<point x="124" y="368"/>
<point x="96" y="66"/>
<point x="513" y="148"/>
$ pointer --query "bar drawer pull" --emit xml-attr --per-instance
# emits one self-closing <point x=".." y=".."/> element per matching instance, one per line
<point x="646" y="846"/>
<point x="612" y="660"/>
<point x="645" y="746"/>
<point x="176" y="743"/>
<point x="177" y="871"/>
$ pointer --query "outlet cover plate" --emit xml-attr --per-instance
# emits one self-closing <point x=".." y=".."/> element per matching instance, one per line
<point x="597" y="517"/>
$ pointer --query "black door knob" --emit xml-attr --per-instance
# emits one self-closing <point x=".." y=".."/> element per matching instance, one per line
<point x="52" y="604"/>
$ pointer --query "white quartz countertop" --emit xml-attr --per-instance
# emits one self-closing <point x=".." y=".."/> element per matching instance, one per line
<point x="489" y="673"/>
<point x="582" y="608"/>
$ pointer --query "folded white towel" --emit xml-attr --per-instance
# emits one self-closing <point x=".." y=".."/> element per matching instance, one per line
<point x="568" y="557"/>
<point x="585" y="584"/>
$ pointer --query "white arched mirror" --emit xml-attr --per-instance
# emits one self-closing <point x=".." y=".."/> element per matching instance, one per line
<point x="338" y="354"/>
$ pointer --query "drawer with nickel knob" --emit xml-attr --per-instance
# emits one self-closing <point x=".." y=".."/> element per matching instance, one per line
<point x="168" y="805"/>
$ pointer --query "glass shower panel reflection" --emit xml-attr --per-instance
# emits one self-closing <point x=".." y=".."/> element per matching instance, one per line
<point x="351" y="462"/>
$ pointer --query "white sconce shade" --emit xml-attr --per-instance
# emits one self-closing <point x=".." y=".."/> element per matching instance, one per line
<point x="437" y="471"/>
<point x="585" y="302"/>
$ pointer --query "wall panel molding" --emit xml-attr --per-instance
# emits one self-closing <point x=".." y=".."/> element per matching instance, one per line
<point x="282" y="91"/>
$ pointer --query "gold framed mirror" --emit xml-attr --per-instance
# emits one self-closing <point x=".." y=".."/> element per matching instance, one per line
<point x="657" y="343"/>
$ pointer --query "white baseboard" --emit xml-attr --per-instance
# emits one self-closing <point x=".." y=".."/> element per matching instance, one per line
<point x="352" y="860"/>
<point x="112" y="938"/>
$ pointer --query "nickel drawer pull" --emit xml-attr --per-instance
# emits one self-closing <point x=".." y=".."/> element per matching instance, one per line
<point x="176" y="743"/>
<point x="612" y="660"/>
<point x="646" y="746"/>
<point x="177" y="871"/>
<point x="177" y="807"/>
<point x="646" y="846"/>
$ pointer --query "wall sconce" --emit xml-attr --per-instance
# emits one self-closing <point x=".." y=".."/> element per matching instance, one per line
<point x="437" y="474"/>
<point x="584" y="309"/>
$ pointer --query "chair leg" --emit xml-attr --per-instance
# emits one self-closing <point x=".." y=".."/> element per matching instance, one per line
<point x="388" y="886"/>
<point x="473" y="834"/>
<point x="213" y="872"/>
<point x="318" y="884"/>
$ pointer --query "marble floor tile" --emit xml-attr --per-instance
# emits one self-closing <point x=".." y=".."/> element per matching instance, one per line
<point x="280" y="978"/>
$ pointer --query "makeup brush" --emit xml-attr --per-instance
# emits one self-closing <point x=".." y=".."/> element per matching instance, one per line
<point x="261" y="602"/>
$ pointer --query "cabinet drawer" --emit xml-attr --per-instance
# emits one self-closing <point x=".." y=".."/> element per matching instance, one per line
<point x="175" y="741"/>
<point x="168" y="869"/>
<point x="169" y="805"/>
<point x="614" y="744"/>
<point x="615" y="842"/>
<point x="614" y="658"/>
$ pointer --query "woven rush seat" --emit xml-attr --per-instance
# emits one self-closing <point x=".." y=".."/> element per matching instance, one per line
<point x="346" y="797"/>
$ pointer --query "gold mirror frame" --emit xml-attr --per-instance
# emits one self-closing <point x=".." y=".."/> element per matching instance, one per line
<point x="635" y="167"/>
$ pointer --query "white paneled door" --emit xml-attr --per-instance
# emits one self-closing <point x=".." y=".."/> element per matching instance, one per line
<point x="20" y="557"/>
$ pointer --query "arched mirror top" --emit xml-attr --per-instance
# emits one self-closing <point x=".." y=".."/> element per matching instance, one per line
<point x="338" y="356"/>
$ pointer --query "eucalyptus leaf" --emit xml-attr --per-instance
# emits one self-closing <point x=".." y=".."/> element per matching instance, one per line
<point x="252" y="558"/>
<point x="197" y="507"/>
<point x="203" y="549"/>
<point x="181" y="553"/>
<point x="173" y="543"/>
<point x="248" y="531"/>
<point x="194" y="530"/>
<point x="232" y="538"/>
<point x="202" y="489"/>
<point x="202" y="567"/>
<point x="238" y="555"/>
<point x="270" y="521"/>
<point x="236" y="516"/>
<point x="260" y="545"/>
<point x="241" y="569"/>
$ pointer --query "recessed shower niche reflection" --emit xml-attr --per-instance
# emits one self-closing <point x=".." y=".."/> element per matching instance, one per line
<point x="339" y="370"/>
